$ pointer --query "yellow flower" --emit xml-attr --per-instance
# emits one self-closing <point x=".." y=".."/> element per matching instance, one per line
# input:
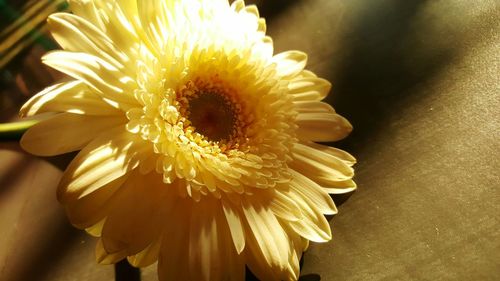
<point x="197" y="142"/>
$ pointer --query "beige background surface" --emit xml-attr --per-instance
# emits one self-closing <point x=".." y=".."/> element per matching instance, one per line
<point x="420" y="82"/>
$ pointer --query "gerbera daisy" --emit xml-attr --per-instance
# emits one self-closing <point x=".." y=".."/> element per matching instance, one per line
<point x="198" y="144"/>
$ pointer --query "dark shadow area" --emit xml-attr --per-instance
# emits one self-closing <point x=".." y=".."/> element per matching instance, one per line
<point x="249" y="275"/>
<point x="36" y="266"/>
<point x="269" y="9"/>
<point x="380" y="66"/>
<point x="377" y="67"/>
<point x="339" y="199"/>
<point x="15" y="168"/>
<point x="310" y="277"/>
<point x="125" y="272"/>
<point x="58" y="161"/>
<point x="61" y="161"/>
<point x="15" y="172"/>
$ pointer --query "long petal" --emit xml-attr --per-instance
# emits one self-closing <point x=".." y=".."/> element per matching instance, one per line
<point x="234" y="221"/>
<point x="296" y="248"/>
<point x="309" y="88"/>
<point x="87" y="10"/>
<point x="106" y="79"/>
<point x="117" y="19"/>
<point x="321" y="165"/>
<point x="152" y="15"/>
<point x="233" y="262"/>
<point x="66" y="132"/>
<point x="146" y="257"/>
<point x="173" y="262"/>
<point x="335" y="152"/>
<point x="76" y="34"/>
<point x="267" y="237"/>
<point x="340" y="187"/>
<point x="322" y="127"/>
<point x="73" y="97"/>
<point x="104" y="257"/>
<point x="313" y="226"/>
<point x="313" y="107"/>
<point x="109" y="156"/>
<point x="290" y="63"/>
<point x="284" y="207"/>
<point x="204" y="242"/>
<point x="318" y="197"/>
<point x="92" y="208"/>
<point x="328" y="166"/>
<point x="126" y="227"/>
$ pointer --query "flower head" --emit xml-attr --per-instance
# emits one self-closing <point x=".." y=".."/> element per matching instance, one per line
<point x="197" y="142"/>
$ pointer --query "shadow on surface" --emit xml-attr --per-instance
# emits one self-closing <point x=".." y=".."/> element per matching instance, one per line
<point x="310" y="277"/>
<point x="36" y="265"/>
<point x="15" y="169"/>
<point x="61" y="161"/>
<point x="383" y="61"/>
<point x="270" y="9"/>
<point x="125" y="272"/>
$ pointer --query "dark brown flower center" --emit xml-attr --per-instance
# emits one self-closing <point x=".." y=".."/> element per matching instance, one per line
<point x="212" y="115"/>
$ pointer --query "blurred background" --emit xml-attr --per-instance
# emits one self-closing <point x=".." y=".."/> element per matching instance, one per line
<point x="419" y="81"/>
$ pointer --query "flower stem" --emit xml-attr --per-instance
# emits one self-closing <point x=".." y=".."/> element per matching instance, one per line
<point x="15" y="130"/>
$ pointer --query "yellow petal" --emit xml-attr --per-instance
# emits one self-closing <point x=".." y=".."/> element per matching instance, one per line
<point x="340" y="187"/>
<point x="290" y="63"/>
<point x="152" y="15"/>
<point x="295" y="241"/>
<point x="319" y="165"/>
<point x="146" y="257"/>
<point x="106" y="158"/>
<point x="104" y="257"/>
<point x="118" y="20"/>
<point x="324" y="166"/>
<point x="204" y="242"/>
<point x="87" y="10"/>
<point x="73" y="97"/>
<point x="173" y="263"/>
<point x="269" y="240"/>
<point x="106" y="79"/>
<point x="313" y="226"/>
<point x="233" y="262"/>
<point x="317" y="197"/>
<point x="140" y="197"/>
<point x="322" y="127"/>
<point x="260" y="268"/>
<point x="234" y="220"/>
<point x="238" y="5"/>
<point x="92" y="208"/>
<point x="66" y="132"/>
<point x="313" y="107"/>
<point x="96" y="229"/>
<point x="309" y="88"/>
<point x="284" y="207"/>
<point x="335" y="152"/>
<point x="76" y="34"/>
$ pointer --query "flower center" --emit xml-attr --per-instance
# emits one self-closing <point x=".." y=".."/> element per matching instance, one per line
<point x="212" y="109"/>
<point x="212" y="115"/>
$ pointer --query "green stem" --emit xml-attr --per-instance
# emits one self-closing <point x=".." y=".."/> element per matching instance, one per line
<point x="15" y="130"/>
